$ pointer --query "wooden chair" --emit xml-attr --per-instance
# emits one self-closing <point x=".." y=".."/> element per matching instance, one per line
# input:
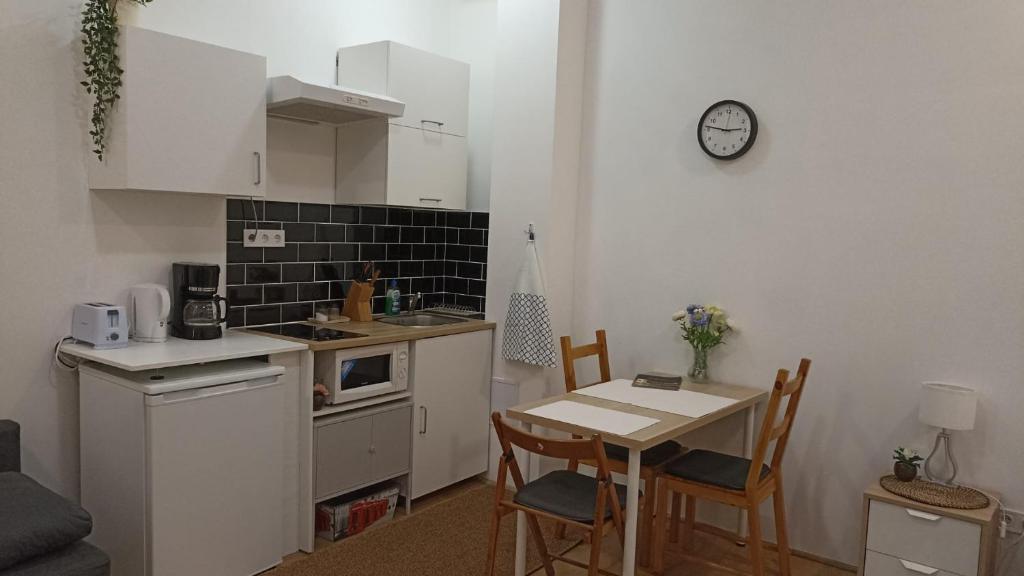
<point x="737" y="481"/>
<point x="652" y="461"/>
<point x="569" y="498"/>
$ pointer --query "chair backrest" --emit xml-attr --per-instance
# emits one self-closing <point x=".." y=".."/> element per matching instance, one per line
<point x="778" y="432"/>
<point x="570" y="355"/>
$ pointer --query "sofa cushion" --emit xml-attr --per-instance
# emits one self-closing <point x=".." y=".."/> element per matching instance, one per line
<point x="34" y="520"/>
<point x="79" y="559"/>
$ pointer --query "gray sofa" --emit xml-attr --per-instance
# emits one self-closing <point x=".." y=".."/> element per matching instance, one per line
<point x="40" y="531"/>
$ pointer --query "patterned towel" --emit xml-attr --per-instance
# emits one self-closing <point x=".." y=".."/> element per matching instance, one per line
<point x="528" y="324"/>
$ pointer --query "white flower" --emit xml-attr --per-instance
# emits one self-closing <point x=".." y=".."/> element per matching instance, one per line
<point x="679" y="316"/>
<point x="731" y="324"/>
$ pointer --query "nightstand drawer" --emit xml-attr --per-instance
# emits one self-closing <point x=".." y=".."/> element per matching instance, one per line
<point x="878" y="564"/>
<point x="929" y="539"/>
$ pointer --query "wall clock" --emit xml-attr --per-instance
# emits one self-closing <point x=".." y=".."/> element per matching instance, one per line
<point x="727" y="130"/>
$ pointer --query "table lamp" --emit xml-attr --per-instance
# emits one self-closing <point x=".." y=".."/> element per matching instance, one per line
<point x="947" y="407"/>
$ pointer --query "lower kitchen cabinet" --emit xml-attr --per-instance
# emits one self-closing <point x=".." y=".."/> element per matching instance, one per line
<point x="451" y="390"/>
<point x="352" y="450"/>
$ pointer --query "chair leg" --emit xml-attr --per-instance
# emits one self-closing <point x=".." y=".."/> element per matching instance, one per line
<point x="780" y="531"/>
<point x="658" y="553"/>
<point x="754" y="540"/>
<point x="691" y="522"/>
<point x="647" y="513"/>
<point x="595" y="551"/>
<point x="492" y="548"/>
<point x="676" y="513"/>
<point x="538" y="537"/>
<point x="560" y="531"/>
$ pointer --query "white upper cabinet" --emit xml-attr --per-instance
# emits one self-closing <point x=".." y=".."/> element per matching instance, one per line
<point x="435" y="89"/>
<point x="417" y="159"/>
<point x="191" y="118"/>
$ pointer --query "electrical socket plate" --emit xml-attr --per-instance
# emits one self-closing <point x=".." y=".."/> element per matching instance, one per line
<point x="1016" y="524"/>
<point x="252" y="238"/>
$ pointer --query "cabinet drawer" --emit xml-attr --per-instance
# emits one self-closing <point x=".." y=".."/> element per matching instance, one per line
<point x="929" y="539"/>
<point x="878" y="564"/>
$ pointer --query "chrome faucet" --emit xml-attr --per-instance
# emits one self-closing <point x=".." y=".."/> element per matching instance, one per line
<point x="414" y="300"/>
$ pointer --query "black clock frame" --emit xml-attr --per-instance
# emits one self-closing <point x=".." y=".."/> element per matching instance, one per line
<point x="750" y="139"/>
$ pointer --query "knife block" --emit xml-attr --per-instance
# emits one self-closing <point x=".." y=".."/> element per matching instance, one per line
<point x="357" y="302"/>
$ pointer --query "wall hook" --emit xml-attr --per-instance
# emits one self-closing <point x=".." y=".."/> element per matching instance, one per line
<point x="529" y="232"/>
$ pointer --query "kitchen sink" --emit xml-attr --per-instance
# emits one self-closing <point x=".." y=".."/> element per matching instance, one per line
<point x="420" y="320"/>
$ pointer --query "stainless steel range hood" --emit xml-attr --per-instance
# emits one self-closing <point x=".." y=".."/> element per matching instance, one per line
<point x="291" y="98"/>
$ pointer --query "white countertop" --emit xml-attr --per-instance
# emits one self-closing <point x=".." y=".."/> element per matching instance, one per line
<point x="179" y="352"/>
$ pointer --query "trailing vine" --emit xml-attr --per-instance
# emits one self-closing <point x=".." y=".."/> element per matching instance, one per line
<point x="102" y="64"/>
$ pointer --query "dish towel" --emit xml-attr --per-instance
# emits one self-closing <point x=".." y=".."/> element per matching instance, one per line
<point x="528" y="324"/>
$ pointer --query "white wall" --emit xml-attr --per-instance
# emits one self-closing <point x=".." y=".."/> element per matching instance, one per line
<point x="62" y="244"/>
<point x="302" y="38"/>
<point x="536" y="152"/>
<point x="875" y="226"/>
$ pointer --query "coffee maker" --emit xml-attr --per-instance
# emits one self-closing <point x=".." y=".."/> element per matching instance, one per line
<point x="196" y="310"/>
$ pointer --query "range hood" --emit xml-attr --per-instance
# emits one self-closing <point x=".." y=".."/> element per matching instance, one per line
<point x="291" y="98"/>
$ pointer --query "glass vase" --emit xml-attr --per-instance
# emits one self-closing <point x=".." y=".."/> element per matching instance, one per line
<point x="699" y="369"/>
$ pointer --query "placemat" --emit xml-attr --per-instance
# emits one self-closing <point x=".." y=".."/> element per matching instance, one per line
<point x="925" y="492"/>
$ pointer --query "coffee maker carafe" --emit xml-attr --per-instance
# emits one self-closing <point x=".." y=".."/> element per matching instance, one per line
<point x="197" y="310"/>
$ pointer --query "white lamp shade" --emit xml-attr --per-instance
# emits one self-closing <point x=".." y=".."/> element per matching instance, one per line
<point x="948" y="406"/>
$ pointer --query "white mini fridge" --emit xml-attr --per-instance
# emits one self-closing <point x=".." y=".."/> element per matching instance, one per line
<point x="181" y="467"/>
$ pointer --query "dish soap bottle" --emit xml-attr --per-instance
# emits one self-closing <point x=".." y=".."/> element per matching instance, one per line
<point x="393" y="301"/>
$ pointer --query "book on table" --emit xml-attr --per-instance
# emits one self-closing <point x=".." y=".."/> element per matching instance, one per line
<point x="658" y="380"/>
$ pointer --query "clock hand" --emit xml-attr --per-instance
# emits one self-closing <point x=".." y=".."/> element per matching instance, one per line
<point x="724" y="129"/>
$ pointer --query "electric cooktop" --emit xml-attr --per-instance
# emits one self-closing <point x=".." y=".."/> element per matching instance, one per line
<point x="307" y="332"/>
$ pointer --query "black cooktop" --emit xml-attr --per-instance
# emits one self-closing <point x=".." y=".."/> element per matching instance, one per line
<point x="307" y="332"/>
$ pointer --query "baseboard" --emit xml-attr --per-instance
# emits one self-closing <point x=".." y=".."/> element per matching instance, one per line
<point x="723" y="533"/>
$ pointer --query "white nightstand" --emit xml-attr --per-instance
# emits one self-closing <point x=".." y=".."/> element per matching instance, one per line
<point x="906" y="538"/>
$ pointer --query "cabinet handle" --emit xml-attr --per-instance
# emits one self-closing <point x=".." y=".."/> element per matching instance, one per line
<point x="259" y="168"/>
<point x="373" y="449"/>
<point x="919" y="568"/>
<point x="923" y="515"/>
<point x="423" y="419"/>
<point x="438" y="124"/>
<point x="438" y="200"/>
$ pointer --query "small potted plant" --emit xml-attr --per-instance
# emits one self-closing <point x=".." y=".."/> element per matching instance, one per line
<point x="905" y="467"/>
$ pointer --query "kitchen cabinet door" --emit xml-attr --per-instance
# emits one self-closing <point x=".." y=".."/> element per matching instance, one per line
<point x="426" y="168"/>
<point x="191" y="118"/>
<point x="342" y="456"/>
<point x="451" y="396"/>
<point x="390" y="446"/>
<point x="435" y="89"/>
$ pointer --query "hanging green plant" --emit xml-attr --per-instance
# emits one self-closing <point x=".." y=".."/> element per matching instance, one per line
<point x="102" y="64"/>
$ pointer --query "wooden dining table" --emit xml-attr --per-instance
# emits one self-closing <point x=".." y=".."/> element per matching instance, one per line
<point x="669" y="426"/>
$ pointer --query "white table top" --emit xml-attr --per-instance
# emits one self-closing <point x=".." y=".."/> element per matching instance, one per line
<point x="179" y="352"/>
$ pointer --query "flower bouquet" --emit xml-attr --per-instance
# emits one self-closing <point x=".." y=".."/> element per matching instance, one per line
<point x="704" y="327"/>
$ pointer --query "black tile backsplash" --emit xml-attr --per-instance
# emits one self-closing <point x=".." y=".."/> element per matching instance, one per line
<point x="441" y="254"/>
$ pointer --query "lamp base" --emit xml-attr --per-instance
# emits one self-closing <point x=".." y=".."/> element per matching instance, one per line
<point x="944" y="439"/>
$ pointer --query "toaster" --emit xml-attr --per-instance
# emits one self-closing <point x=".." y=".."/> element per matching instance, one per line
<point x="102" y="325"/>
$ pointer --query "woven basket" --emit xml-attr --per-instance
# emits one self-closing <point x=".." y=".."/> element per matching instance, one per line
<point x="959" y="497"/>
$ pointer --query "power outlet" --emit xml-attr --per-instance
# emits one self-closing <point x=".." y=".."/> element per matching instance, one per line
<point x="1016" y="521"/>
<point x="252" y="238"/>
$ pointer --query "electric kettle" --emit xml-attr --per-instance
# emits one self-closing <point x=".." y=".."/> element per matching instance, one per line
<point x="148" y="308"/>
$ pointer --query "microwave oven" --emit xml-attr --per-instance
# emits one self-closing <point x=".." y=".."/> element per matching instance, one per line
<point x="359" y="373"/>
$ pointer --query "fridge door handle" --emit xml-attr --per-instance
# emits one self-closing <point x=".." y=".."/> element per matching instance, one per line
<point x="211" y="391"/>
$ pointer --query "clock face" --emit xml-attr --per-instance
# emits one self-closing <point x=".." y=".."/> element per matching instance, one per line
<point x="727" y="130"/>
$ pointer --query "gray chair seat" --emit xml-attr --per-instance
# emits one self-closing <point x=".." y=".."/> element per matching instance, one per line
<point x="567" y="494"/>
<point x="713" y="468"/>
<point x="653" y="456"/>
